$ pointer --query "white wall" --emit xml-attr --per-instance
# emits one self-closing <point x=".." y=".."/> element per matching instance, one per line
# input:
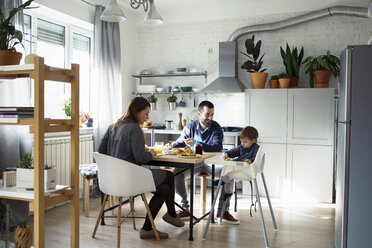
<point x="128" y="39"/>
<point x="196" y="45"/>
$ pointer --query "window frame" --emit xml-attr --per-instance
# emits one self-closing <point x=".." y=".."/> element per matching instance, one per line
<point x="70" y="29"/>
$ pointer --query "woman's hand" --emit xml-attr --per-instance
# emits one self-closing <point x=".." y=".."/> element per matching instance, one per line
<point x="152" y="151"/>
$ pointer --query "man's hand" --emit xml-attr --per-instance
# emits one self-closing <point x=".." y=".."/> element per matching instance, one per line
<point x="226" y="157"/>
<point x="169" y="145"/>
<point x="189" y="142"/>
<point x="248" y="161"/>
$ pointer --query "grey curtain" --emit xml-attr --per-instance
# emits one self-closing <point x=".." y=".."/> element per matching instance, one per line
<point x="106" y="85"/>
<point x="15" y="140"/>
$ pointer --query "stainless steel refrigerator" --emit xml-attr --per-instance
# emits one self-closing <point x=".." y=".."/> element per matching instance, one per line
<point x="353" y="220"/>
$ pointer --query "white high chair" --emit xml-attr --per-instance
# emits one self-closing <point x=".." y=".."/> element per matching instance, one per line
<point x="120" y="178"/>
<point x="245" y="172"/>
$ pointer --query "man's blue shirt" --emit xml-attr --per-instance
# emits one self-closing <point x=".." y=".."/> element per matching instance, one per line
<point x="210" y="138"/>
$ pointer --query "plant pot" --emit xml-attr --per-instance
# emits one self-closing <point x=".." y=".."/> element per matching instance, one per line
<point x="284" y="82"/>
<point x="153" y="106"/>
<point x="294" y="82"/>
<point x="258" y="79"/>
<point x="274" y="83"/>
<point x="90" y="122"/>
<point x="8" y="57"/>
<point x="322" y="78"/>
<point x="25" y="178"/>
<point x="172" y="105"/>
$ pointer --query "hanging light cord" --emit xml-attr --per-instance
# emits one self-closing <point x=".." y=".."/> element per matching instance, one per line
<point x="135" y="4"/>
<point x="88" y="3"/>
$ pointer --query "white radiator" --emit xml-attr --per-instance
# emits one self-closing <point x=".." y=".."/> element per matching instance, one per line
<point x="57" y="154"/>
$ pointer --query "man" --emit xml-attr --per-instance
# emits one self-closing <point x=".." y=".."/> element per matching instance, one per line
<point x="210" y="135"/>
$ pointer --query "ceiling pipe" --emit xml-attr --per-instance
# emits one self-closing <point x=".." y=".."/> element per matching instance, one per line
<point x="332" y="11"/>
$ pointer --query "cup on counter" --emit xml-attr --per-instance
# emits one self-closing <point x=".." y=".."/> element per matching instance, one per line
<point x="168" y="124"/>
<point x="169" y="89"/>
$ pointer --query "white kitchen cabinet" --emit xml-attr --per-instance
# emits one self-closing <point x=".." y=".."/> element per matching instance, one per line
<point x="296" y="129"/>
<point x="310" y="116"/>
<point x="274" y="170"/>
<point x="266" y="110"/>
<point x="310" y="172"/>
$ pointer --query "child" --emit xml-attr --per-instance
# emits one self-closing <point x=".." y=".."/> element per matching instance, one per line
<point x="248" y="148"/>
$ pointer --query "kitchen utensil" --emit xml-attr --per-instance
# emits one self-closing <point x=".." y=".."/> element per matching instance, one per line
<point x="194" y="101"/>
<point x="181" y="69"/>
<point x="160" y="89"/>
<point x="181" y="103"/>
<point x="169" y="89"/>
<point x="168" y="124"/>
<point x="184" y="122"/>
<point x="176" y="89"/>
<point x="180" y="121"/>
<point x="186" y="89"/>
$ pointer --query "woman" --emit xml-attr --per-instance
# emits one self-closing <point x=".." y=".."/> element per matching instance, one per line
<point x="125" y="140"/>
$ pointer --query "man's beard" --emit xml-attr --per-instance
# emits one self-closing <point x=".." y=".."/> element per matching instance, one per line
<point x="204" y="123"/>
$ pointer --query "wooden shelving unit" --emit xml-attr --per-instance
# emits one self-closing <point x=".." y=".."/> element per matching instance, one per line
<point x="40" y="199"/>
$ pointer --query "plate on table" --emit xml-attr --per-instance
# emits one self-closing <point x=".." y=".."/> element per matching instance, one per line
<point x="189" y="156"/>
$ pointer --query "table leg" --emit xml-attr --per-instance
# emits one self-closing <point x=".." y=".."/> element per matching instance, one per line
<point x="212" y="196"/>
<point x="191" y="202"/>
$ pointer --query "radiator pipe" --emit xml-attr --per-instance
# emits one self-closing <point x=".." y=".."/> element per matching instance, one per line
<point x="332" y="11"/>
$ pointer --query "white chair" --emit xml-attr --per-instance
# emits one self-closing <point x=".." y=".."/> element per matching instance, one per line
<point x="245" y="172"/>
<point x="122" y="179"/>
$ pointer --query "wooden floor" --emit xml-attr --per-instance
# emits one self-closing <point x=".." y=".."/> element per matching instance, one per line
<point x="299" y="225"/>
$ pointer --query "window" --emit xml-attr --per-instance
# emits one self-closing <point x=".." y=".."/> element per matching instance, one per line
<point x="81" y="55"/>
<point x="60" y="44"/>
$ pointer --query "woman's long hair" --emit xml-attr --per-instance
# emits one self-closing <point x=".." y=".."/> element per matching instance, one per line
<point x="135" y="106"/>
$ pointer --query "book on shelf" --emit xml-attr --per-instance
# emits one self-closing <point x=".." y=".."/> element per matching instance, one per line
<point x="17" y="109"/>
<point x="8" y="120"/>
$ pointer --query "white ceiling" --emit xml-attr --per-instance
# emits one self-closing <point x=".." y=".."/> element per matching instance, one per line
<point x="207" y="10"/>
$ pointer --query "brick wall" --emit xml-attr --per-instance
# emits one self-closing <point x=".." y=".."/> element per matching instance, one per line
<point x="169" y="46"/>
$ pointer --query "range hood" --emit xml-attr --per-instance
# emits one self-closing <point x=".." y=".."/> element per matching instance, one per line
<point x="228" y="80"/>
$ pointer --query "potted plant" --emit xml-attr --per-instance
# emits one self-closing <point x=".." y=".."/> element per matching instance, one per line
<point x="172" y="102"/>
<point x="83" y="118"/>
<point x="66" y="107"/>
<point x="25" y="174"/>
<point x="152" y="100"/>
<point x="274" y="81"/>
<point x="284" y="80"/>
<point x="292" y="62"/>
<point x="254" y="63"/>
<point x="90" y="120"/>
<point x="10" y="36"/>
<point x="320" y="68"/>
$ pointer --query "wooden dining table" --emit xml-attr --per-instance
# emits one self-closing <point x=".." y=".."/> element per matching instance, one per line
<point x="188" y="163"/>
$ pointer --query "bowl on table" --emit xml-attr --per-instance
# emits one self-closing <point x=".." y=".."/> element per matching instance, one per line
<point x="186" y="89"/>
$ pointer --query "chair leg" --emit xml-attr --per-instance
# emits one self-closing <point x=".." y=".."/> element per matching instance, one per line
<point x="132" y="210"/>
<point x="236" y="198"/>
<point x="99" y="215"/>
<point x="261" y="214"/>
<point x="150" y="217"/>
<point x="86" y="196"/>
<point x="119" y="221"/>
<point x="203" y="193"/>
<point x="269" y="201"/>
<point x="212" y="209"/>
